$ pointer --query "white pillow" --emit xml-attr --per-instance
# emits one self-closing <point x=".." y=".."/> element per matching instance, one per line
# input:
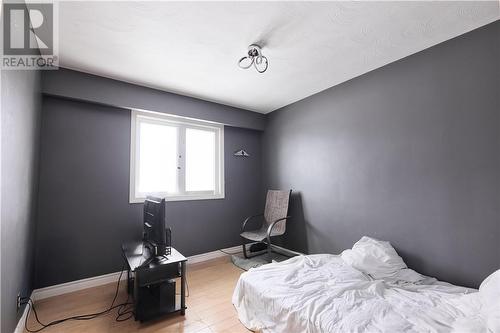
<point x="489" y="292"/>
<point x="374" y="257"/>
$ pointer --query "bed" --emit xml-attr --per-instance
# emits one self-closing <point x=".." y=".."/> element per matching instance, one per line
<point x="365" y="289"/>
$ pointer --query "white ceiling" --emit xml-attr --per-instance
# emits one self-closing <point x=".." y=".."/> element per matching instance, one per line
<point x="192" y="48"/>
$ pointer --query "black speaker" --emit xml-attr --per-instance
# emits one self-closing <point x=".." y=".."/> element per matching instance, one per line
<point x="156" y="299"/>
<point x="257" y="247"/>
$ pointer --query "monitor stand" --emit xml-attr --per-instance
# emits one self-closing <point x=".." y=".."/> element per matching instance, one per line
<point x="152" y="258"/>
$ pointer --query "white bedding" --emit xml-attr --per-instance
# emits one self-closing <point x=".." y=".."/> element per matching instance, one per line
<point x="321" y="293"/>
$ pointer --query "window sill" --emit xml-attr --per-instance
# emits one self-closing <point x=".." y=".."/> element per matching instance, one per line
<point x="182" y="198"/>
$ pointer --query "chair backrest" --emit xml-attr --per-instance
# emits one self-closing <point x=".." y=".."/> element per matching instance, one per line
<point x="277" y="208"/>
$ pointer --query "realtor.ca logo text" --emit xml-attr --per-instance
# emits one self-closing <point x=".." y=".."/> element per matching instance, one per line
<point x="29" y="36"/>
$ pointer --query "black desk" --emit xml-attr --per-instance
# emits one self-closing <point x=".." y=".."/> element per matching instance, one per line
<point x="153" y="286"/>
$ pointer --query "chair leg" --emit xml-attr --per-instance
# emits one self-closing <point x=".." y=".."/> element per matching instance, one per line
<point x="269" y="249"/>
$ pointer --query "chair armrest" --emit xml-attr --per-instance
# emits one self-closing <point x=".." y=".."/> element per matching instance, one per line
<point x="248" y="219"/>
<point x="271" y="226"/>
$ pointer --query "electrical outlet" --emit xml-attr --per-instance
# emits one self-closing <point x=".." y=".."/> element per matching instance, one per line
<point x="18" y="301"/>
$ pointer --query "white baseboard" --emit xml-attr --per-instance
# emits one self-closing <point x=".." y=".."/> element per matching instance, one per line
<point x="20" y="323"/>
<point x="95" y="281"/>
<point x="69" y="287"/>
<point x="214" y="254"/>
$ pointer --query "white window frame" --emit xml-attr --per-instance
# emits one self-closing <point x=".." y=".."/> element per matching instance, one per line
<point x="182" y="123"/>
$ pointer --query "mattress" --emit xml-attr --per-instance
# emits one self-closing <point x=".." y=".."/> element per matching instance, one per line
<point x="321" y="293"/>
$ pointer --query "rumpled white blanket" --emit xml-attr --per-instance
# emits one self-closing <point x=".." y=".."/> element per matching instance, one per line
<point x="321" y="293"/>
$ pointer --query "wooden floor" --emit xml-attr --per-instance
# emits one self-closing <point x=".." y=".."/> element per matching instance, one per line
<point x="211" y="285"/>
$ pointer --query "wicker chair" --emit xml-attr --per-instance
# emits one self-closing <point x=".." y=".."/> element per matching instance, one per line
<point x="274" y="222"/>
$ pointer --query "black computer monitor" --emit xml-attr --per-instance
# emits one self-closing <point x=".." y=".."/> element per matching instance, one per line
<point x="156" y="235"/>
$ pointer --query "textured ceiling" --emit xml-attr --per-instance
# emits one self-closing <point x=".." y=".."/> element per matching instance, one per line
<point x="192" y="48"/>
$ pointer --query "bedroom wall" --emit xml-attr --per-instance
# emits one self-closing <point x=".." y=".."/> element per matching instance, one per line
<point x="84" y="212"/>
<point x="20" y="123"/>
<point x="87" y="87"/>
<point x="408" y="153"/>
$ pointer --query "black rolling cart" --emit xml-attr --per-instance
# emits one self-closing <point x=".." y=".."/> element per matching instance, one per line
<point x="153" y="285"/>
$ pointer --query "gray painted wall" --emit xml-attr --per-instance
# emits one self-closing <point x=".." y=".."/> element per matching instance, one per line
<point x="20" y="123"/>
<point x="81" y="86"/>
<point x="408" y="153"/>
<point x="84" y="214"/>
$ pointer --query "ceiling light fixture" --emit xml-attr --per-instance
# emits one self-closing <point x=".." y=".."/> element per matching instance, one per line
<point x="254" y="58"/>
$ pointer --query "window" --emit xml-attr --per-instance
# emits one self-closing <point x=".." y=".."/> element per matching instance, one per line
<point x="175" y="158"/>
